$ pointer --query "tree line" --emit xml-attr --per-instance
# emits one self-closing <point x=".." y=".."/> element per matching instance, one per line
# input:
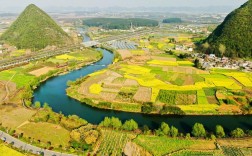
<point x="120" y="23"/>
<point x="198" y="129"/>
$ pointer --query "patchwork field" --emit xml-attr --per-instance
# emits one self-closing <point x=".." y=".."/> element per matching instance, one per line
<point x="165" y="81"/>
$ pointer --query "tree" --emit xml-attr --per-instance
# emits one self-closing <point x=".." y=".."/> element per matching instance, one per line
<point x="165" y="128"/>
<point x="174" y="131"/>
<point x="37" y="104"/>
<point x="130" y="125"/>
<point x="106" y="122"/>
<point x="219" y="131"/>
<point x="116" y="123"/>
<point x="197" y="63"/>
<point x="46" y="106"/>
<point x="206" y="45"/>
<point x="237" y="133"/>
<point x="146" y="129"/>
<point x="198" y="130"/>
<point x="212" y="136"/>
<point x="222" y="49"/>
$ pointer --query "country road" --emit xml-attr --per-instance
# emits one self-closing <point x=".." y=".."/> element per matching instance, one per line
<point x="27" y="147"/>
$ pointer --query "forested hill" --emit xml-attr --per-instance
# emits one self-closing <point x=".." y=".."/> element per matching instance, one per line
<point x="34" y="29"/>
<point x="233" y="37"/>
<point x="119" y="23"/>
<point x="172" y="20"/>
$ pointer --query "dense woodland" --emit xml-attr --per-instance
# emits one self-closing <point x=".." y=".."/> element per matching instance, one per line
<point x="119" y="23"/>
<point x="34" y="29"/>
<point x="233" y="37"/>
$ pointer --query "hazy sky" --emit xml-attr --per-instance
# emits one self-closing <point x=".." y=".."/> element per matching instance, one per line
<point x="121" y="3"/>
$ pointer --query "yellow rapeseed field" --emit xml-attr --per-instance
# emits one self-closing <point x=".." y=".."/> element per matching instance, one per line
<point x="95" y="88"/>
<point x="6" y="151"/>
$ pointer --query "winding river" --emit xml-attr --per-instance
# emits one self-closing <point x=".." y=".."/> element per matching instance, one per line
<point x="53" y="92"/>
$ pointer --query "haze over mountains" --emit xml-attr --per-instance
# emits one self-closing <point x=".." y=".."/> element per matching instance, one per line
<point x="34" y="29"/>
<point x="196" y="9"/>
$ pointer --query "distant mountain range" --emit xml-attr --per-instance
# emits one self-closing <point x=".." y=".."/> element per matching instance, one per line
<point x="34" y="29"/>
<point x="233" y="37"/>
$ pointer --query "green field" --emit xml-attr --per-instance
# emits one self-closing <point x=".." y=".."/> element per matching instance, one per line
<point x="16" y="75"/>
<point x="159" y="146"/>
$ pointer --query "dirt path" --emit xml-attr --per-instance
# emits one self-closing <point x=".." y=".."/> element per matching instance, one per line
<point x="7" y="88"/>
<point x="24" y="123"/>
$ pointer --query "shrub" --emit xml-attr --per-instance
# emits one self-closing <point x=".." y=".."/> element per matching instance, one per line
<point x="147" y="107"/>
<point x="174" y="131"/>
<point x="171" y="110"/>
<point x="130" y="125"/>
<point x="237" y="133"/>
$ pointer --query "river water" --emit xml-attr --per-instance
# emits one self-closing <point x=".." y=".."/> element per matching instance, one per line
<point x="53" y="92"/>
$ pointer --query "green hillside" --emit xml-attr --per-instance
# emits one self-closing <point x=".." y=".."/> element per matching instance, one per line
<point x="233" y="37"/>
<point x="34" y="29"/>
<point x="119" y="23"/>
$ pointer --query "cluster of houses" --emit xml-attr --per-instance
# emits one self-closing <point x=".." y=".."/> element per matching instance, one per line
<point x="212" y="61"/>
<point x="196" y="29"/>
<point x="183" y="48"/>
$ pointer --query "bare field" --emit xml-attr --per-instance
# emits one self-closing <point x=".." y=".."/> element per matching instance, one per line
<point x="143" y="94"/>
<point x="41" y="71"/>
<point x="241" y="143"/>
<point x="125" y="54"/>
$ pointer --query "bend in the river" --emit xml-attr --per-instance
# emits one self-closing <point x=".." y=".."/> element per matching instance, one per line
<point x="53" y="92"/>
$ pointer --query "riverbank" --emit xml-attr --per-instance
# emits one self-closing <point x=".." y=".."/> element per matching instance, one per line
<point x="133" y="107"/>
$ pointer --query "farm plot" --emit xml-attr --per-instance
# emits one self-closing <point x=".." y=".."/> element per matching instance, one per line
<point x="143" y="94"/>
<point x="125" y="54"/>
<point x="113" y="142"/>
<point x="17" y="76"/>
<point x="164" y="58"/>
<point x="137" y="52"/>
<point x="170" y="63"/>
<point x="6" y="151"/>
<point x="159" y="146"/>
<point x="197" y="153"/>
<point x="13" y="116"/>
<point x="231" y="151"/>
<point x="221" y="81"/>
<point x="177" y="97"/>
<point x="46" y="132"/>
<point x="41" y="71"/>
<point x="201" y="97"/>
<point x="132" y="148"/>
<point x="244" y="80"/>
